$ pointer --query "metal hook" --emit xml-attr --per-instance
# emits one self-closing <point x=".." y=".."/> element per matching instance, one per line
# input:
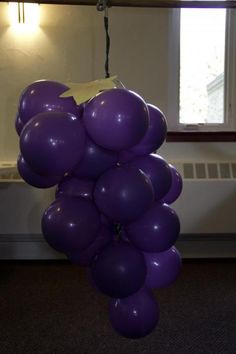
<point x="102" y="5"/>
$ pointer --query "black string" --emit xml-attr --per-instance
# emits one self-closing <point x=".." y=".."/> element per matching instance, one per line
<point x="19" y="13"/>
<point x="23" y="10"/>
<point x="106" y="25"/>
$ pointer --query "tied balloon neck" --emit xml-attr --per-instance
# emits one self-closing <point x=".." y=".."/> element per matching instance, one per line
<point x="118" y="232"/>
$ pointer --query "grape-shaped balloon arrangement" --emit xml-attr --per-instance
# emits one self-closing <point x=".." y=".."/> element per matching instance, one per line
<point x="111" y="211"/>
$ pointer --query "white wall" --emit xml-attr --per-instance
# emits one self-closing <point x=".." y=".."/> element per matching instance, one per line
<point x="69" y="46"/>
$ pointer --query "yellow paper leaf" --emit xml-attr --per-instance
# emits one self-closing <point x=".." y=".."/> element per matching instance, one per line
<point x="84" y="91"/>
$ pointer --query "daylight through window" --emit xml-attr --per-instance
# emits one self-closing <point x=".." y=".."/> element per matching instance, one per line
<point x="202" y="66"/>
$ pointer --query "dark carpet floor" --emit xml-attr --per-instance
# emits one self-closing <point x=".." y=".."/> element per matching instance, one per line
<point x="50" y="308"/>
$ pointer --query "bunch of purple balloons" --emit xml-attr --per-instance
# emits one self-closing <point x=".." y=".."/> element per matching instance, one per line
<point x="111" y="210"/>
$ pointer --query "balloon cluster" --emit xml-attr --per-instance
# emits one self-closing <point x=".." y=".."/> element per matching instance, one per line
<point x="111" y="210"/>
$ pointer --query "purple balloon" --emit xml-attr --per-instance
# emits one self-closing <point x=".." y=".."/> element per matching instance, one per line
<point x="70" y="224"/>
<point x="162" y="268"/>
<point x="126" y="156"/>
<point x="135" y="316"/>
<point x="104" y="220"/>
<point x="75" y="187"/>
<point x="95" y="161"/>
<point x="19" y="125"/>
<point x="116" y="119"/>
<point x="53" y="143"/>
<point x="123" y="193"/>
<point x="44" y="96"/>
<point x="32" y="178"/>
<point x="80" y="109"/>
<point x="107" y="223"/>
<point x="158" y="170"/>
<point x="85" y="257"/>
<point x="175" y="188"/>
<point x="155" y="134"/>
<point x="123" y="235"/>
<point x="156" y="231"/>
<point x="119" y="270"/>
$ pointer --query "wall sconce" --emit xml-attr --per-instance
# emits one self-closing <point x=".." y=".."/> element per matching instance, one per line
<point x="24" y="14"/>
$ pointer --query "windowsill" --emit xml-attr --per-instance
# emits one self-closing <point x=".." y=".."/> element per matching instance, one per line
<point x="218" y="136"/>
<point x="151" y="3"/>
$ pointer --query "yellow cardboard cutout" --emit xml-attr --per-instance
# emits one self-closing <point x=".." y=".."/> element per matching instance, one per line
<point x="83" y="92"/>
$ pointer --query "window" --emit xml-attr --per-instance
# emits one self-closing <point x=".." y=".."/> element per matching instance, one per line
<point x="202" y="82"/>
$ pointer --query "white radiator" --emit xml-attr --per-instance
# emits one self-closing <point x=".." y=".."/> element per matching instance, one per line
<point x="208" y="201"/>
<point x="210" y="170"/>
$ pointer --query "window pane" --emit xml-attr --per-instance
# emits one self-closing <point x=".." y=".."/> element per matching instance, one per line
<point x="202" y="57"/>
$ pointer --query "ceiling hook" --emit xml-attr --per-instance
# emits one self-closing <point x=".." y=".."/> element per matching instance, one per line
<point x="102" y="5"/>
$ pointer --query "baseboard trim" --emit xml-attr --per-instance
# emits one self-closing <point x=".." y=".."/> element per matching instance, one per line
<point x="207" y="245"/>
<point x="26" y="247"/>
<point x="33" y="246"/>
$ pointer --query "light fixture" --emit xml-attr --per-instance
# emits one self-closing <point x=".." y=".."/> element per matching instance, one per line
<point x="24" y="14"/>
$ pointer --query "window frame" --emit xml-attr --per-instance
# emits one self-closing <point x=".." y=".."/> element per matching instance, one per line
<point x="229" y="83"/>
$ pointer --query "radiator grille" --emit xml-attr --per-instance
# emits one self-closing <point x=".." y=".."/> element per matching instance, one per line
<point x="210" y="170"/>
